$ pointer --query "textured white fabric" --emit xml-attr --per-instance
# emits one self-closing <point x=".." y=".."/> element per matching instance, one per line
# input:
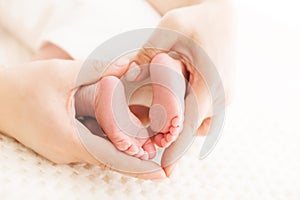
<point x="256" y="158"/>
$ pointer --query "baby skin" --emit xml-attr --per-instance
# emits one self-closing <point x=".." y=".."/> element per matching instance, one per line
<point x="167" y="109"/>
<point x="106" y="102"/>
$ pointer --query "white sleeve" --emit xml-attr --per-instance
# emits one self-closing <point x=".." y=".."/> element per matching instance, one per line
<point x="102" y="20"/>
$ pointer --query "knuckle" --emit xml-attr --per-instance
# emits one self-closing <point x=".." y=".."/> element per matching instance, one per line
<point x="145" y="55"/>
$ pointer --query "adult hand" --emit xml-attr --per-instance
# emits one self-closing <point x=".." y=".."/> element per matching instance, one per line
<point x="184" y="31"/>
<point x="38" y="106"/>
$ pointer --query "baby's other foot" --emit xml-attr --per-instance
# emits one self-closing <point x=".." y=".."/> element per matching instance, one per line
<point x="166" y="111"/>
<point x="121" y="126"/>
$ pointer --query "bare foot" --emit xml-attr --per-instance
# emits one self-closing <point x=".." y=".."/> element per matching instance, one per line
<point x="166" y="112"/>
<point x="121" y="126"/>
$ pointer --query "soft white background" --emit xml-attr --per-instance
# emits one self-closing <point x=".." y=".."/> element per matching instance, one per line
<point x="257" y="156"/>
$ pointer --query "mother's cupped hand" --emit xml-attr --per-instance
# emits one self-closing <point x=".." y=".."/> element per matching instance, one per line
<point x="38" y="105"/>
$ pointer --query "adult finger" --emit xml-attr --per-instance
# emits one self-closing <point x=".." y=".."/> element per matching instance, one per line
<point x="161" y="40"/>
<point x="202" y="131"/>
<point x="92" y="70"/>
<point x="204" y="128"/>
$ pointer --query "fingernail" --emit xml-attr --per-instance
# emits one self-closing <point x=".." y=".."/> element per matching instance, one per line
<point x="133" y="72"/>
<point x="121" y="62"/>
<point x="169" y="170"/>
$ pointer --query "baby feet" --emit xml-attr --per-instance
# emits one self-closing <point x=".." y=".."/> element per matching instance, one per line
<point x="106" y="102"/>
<point x="166" y="111"/>
<point x="121" y="126"/>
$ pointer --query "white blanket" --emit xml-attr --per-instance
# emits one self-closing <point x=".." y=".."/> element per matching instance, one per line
<point x="256" y="158"/>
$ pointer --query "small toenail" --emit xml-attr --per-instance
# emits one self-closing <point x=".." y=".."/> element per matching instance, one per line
<point x="176" y="122"/>
<point x="168" y="137"/>
<point x="134" y="149"/>
<point x="173" y="130"/>
<point x="140" y="152"/>
<point x="145" y="156"/>
<point x="123" y="145"/>
<point x="164" y="142"/>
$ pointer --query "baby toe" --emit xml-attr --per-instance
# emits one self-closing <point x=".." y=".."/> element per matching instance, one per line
<point x="122" y="145"/>
<point x="145" y="156"/>
<point x="132" y="150"/>
<point x="149" y="148"/>
<point x="164" y="142"/>
<point x="157" y="139"/>
<point x="140" y="153"/>
<point x="175" y="122"/>
<point x="173" y="130"/>
<point x="169" y="138"/>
